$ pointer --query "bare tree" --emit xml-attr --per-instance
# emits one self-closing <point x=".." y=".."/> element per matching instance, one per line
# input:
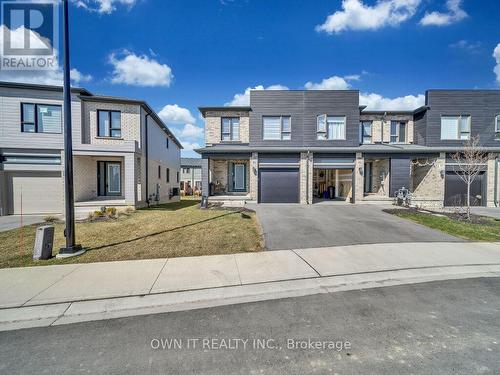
<point x="469" y="163"/>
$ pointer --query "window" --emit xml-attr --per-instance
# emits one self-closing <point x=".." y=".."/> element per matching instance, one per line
<point x="159" y="171"/>
<point x="41" y="118"/>
<point x="186" y="170"/>
<point x="331" y="127"/>
<point x="366" y="132"/>
<point x="177" y="176"/>
<point x="398" y="132"/>
<point x="497" y="127"/>
<point x="277" y="128"/>
<point x="166" y="142"/>
<point x="109" y="124"/>
<point x="230" y="130"/>
<point x="168" y="175"/>
<point x="455" y="127"/>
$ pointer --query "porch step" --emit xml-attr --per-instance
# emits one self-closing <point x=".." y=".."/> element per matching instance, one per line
<point x="376" y="199"/>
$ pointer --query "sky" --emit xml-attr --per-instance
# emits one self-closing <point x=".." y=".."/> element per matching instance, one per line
<point x="179" y="55"/>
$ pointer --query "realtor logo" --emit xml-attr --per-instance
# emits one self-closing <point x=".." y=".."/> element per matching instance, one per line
<point x="29" y="34"/>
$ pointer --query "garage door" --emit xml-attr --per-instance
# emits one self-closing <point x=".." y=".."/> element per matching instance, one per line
<point x="42" y="192"/>
<point x="455" y="193"/>
<point x="279" y="185"/>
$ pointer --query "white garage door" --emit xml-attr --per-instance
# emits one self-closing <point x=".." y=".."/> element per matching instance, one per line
<point x="42" y="192"/>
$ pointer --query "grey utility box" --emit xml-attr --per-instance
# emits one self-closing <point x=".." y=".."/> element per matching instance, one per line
<point x="44" y="242"/>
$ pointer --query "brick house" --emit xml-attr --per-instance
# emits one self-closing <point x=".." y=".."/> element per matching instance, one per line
<point x="124" y="155"/>
<point x="309" y="146"/>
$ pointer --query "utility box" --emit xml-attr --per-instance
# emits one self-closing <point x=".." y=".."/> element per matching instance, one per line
<point x="44" y="241"/>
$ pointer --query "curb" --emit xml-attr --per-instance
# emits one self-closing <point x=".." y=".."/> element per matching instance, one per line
<point x="92" y="310"/>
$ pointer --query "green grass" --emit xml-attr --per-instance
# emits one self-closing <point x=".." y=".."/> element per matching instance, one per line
<point x="170" y="230"/>
<point x="488" y="230"/>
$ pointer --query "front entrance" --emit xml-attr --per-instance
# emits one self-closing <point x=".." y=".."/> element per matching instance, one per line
<point x="109" y="178"/>
<point x="239" y="177"/>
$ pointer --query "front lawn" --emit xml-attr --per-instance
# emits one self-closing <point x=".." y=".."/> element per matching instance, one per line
<point x="170" y="230"/>
<point x="480" y="229"/>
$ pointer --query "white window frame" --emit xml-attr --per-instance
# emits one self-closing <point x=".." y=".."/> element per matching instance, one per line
<point x="497" y="126"/>
<point x="285" y="135"/>
<point x="460" y="133"/>
<point x="322" y="135"/>
<point x="398" y="131"/>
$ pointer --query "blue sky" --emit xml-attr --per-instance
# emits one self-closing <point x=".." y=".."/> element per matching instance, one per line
<point x="178" y="55"/>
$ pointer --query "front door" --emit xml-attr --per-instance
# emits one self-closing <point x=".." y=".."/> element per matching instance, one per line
<point x="108" y="178"/>
<point x="239" y="177"/>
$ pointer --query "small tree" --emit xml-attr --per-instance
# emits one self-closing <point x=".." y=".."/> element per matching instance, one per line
<point x="469" y="163"/>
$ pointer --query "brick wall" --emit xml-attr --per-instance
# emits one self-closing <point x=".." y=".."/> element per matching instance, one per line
<point x="306" y="178"/>
<point x="213" y="125"/>
<point x="490" y="184"/>
<point x="427" y="184"/>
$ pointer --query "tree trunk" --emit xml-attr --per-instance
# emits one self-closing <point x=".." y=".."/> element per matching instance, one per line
<point x="468" y="200"/>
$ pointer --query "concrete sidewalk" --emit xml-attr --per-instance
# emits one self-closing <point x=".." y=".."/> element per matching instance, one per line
<point x="82" y="289"/>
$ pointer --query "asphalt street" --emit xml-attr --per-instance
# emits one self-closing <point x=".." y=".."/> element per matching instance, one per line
<point x="450" y="327"/>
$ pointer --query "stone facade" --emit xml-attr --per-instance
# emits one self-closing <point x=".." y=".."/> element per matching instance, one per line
<point x="306" y="177"/>
<point x="381" y="129"/>
<point x="491" y="183"/>
<point x="213" y="121"/>
<point x="380" y="186"/>
<point x="427" y="183"/>
<point x="130" y="123"/>
<point x="359" y="172"/>
<point x="254" y="176"/>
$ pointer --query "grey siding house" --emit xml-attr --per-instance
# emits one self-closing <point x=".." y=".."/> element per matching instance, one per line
<point x="190" y="175"/>
<point x="124" y="155"/>
<point x="309" y="146"/>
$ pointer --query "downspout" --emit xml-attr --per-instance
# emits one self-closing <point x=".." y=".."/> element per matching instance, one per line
<point x="496" y="183"/>
<point x="147" y="158"/>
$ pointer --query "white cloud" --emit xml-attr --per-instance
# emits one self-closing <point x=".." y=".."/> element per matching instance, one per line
<point x="355" y="15"/>
<point x="243" y="99"/>
<point x="131" y="69"/>
<point x="43" y="77"/>
<point x="189" y="146"/>
<point x="472" y="47"/>
<point x="333" y="83"/>
<point x="496" y="55"/>
<point x="172" y="113"/>
<point x="191" y="131"/>
<point x="376" y="102"/>
<point x="103" y="6"/>
<point x="454" y="14"/>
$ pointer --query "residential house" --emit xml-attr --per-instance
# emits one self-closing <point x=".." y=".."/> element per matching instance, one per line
<point x="309" y="146"/>
<point x="190" y="175"/>
<point x="124" y="155"/>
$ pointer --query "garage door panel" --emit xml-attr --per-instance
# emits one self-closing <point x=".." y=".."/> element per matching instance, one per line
<point x="456" y="190"/>
<point x="279" y="185"/>
<point x="36" y="192"/>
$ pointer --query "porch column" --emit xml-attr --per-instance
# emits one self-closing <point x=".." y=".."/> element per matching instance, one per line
<point x="254" y="177"/>
<point x="336" y="183"/>
<point x="358" y="178"/>
<point x="129" y="179"/>
<point x="492" y="185"/>
<point x="306" y="177"/>
<point x="205" y="176"/>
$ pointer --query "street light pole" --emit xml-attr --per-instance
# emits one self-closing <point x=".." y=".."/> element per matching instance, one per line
<point x="71" y="249"/>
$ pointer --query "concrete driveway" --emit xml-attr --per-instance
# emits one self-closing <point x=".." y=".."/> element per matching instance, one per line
<point x="294" y="226"/>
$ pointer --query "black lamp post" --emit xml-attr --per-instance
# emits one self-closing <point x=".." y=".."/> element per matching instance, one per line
<point x="71" y="248"/>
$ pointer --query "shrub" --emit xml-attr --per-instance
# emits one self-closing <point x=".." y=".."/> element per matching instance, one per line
<point x="50" y="219"/>
<point x="111" y="212"/>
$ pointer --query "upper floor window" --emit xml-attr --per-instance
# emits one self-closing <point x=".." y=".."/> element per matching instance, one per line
<point x="159" y="172"/>
<point x="455" y="127"/>
<point x="109" y="124"/>
<point x="168" y="175"/>
<point x="230" y="129"/>
<point x="398" y="132"/>
<point x="185" y="170"/>
<point x="366" y="132"/>
<point x="41" y="118"/>
<point x="497" y="127"/>
<point x="277" y="128"/>
<point x="167" y="142"/>
<point x="331" y="127"/>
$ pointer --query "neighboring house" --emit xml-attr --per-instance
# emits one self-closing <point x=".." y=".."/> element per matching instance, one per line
<point x="190" y="174"/>
<point x="306" y="146"/>
<point x="124" y="155"/>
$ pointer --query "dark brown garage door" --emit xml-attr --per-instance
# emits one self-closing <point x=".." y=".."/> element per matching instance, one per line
<point x="455" y="192"/>
<point x="279" y="185"/>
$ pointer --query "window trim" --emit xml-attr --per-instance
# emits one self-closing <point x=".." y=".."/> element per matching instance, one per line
<point x="459" y="130"/>
<point x="35" y="117"/>
<point x="110" y="127"/>
<point x="361" y="133"/>
<point x="344" y="136"/>
<point x="231" y="132"/>
<point x="497" y="124"/>
<point x="398" y="132"/>
<point x="281" y="128"/>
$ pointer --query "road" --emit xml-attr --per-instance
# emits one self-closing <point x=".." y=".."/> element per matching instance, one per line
<point x="450" y="327"/>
